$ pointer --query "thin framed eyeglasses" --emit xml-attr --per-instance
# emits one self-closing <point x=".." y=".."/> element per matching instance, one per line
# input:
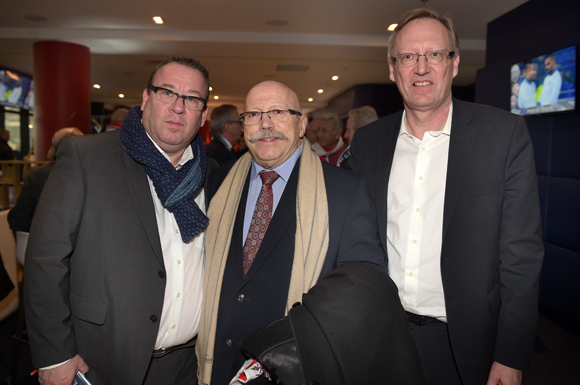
<point x="164" y="95"/>
<point x="433" y="57"/>
<point x="278" y="115"/>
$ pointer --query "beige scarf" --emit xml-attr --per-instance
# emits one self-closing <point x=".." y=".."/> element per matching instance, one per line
<point x="309" y="252"/>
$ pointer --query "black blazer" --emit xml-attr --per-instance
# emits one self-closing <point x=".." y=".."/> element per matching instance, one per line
<point x="492" y="246"/>
<point x="252" y="303"/>
<point x="218" y="151"/>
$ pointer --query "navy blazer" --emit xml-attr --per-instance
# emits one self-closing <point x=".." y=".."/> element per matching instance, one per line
<point x="492" y="247"/>
<point x="247" y="304"/>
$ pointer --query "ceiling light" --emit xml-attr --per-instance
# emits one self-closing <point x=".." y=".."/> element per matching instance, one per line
<point x="157" y="19"/>
<point x="335" y="77"/>
<point x="310" y="99"/>
<point x="211" y="89"/>
<point x="320" y="91"/>
<point x="121" y="96"/>
<point x="216" y="97"/>
<point x="392" y="27"/>
<point x="97" y="86"/>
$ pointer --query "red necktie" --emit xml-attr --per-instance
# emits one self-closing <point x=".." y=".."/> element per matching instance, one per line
<point x="260" y="220"/>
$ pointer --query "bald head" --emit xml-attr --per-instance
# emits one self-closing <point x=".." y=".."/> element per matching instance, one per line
<point x="59" y="136"/>
<point x="272" y="143"/>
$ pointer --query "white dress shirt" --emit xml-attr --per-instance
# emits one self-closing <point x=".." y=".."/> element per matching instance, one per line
<point x="184" y="264"/>
<point x="415" y="201"/>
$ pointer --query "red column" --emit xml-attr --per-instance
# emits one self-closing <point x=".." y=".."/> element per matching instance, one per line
<point x="62" y="81"/>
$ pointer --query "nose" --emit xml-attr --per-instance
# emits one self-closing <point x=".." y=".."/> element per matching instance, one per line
<point x="422" y="66"/>
<point x="266" y="122"/>
<point x="178" y="105"/>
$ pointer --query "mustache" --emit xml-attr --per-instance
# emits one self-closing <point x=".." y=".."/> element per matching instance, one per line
<point x="267" y="134"/>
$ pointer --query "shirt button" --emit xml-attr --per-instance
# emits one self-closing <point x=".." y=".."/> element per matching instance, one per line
<point x="420" y="178"/>
<point x="240" y="298"/>
<point x="410" y="274"/>
<point x="179" y="262"/>
<point x="176" y="231"/>
<point x="414" y="241"/>
<point x="229" y="342"/>
<point x="178" y="295"/>
<point x="418" y="209"/>
<point x="173" y="326"/>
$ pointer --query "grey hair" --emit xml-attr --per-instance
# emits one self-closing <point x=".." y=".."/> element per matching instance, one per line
<point x="219" y="116"/>
<point x="336" y="120"/>
<point x="362" y="116"/>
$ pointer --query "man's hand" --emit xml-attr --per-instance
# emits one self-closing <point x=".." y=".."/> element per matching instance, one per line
<point x="504" y="375"/>
<point x="64" y="374"/>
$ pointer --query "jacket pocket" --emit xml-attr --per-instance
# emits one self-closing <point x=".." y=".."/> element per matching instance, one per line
<point x="87" y="310"/>
<point x="494" y="297"/>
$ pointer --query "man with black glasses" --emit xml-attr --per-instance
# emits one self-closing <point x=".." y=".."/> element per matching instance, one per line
<point x="454" y="188"/>
<point x="114" y="265"/>
<point x="280" y="218"/>
<point x="226" y="128"/>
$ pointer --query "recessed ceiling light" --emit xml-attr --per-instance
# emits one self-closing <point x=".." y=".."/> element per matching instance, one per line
<point x="97" y="86"/>
<point x="211" y="89"/>
<point x="277" y="23"/>
<point x="157" y="19"/>
<point x="392" y="27"/>
<point x="35" y="18"/>
<point x="335" y="77"/>
<point x="121" y="96"/>
<point x="310" y="99"/>
<point x="216" y="97"/>
<point x="320" y="91"/>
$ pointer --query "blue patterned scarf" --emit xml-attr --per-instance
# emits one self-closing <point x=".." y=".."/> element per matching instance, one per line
<point x="175" y="189"/>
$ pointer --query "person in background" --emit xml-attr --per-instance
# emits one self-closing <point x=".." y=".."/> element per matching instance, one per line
<point x="312" y="132"/>
<point x="20" y="216"/>
<point x="527" y="90"/>
<point x="330" y="138"/>
<point x="115" y="259"/>
<point x="226" y="129"/>
<point x="279" y="219"/>
<point x="455" y="191"/>
<point x="6" y="152"/>
<point x="357" y="117"/>
<point x="552" y="83"/>
<point x="117" y="119"/>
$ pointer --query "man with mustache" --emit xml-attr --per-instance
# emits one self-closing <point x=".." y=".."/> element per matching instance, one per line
<point x="279" y="219"/>
<point x="454" y="188"/>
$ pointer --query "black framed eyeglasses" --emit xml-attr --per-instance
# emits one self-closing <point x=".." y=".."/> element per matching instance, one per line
<point x="437" y="56"/>
<point x="278" y="115"/>
<point x="164" y="95"/>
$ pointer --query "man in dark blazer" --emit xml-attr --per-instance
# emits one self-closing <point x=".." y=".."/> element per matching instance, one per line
<point x="114" y="264"/>
<point x="226" y="129"/>
<point x="244" y="299"/>
<point x="454" y="188"/>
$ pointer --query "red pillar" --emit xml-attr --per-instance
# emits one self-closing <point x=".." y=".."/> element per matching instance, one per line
<point x="62" y="81"/>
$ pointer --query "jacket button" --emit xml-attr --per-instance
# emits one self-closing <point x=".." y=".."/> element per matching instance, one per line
<point x="229" y="342"/>
<point x="153" y="318"/>
<point x="161" y="274"/>
<point x="240" y="298"/>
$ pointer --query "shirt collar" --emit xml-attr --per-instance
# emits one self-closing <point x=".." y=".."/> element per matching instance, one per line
<point x="185" y="157"/>
<point x="225" y="141"/>
<point x="284" y="170"/>
<point x="446" y="129"/>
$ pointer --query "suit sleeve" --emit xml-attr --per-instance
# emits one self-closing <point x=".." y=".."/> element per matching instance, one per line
<point x="521" y="254"/>
<point x="46" y="275"/>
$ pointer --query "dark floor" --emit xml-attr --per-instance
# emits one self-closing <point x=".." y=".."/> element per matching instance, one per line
<point x="556" y="357"/>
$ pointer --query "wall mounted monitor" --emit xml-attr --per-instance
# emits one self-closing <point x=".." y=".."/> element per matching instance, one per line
<point x="544" y="84"/>
<point x="14" y="88"/>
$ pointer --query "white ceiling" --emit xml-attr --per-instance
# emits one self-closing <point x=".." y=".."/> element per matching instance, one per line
<point x="332" y="37"/>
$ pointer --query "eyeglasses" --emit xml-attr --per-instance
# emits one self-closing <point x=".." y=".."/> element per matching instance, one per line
<point x="251" y="118"/>
<point x="432" y="57"/>
<point x="169" y="97"/>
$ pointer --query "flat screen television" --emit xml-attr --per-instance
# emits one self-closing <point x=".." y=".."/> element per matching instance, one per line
<point x="544" y="84"/>
<point x="14" y="88"/>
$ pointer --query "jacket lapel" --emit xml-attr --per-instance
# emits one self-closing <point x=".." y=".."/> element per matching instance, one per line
<point x="138" y="185"/>
<point x="460" y="148"/>
<point x="383" y="164"/>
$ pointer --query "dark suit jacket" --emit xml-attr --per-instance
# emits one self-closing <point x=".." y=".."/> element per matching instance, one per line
<point x="218" y="151"/>
<point x="259" y="299"/>
<point x="20" y="217"/>
<point x="492" y="248"/>
<point x="95" y="277"/>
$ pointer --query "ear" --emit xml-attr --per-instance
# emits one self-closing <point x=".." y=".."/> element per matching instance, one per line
<point x="145" y="98"/>
<point x="302" y="122"/>
<point x="391" y="71"/>
<point x="204" y="114"/>
<point x="455" y="65"/>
